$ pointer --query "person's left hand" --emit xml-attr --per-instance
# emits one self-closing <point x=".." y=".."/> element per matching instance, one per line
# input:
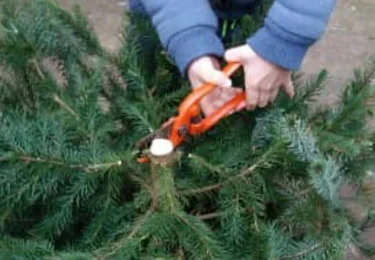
<point x="262" y="78"/>
<point x="207" y="69"/>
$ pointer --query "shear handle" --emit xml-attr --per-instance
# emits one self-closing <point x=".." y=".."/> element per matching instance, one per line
<point x="219" y="114"/>
<point x="189" y="108"/>
<point x="197" y="94"/>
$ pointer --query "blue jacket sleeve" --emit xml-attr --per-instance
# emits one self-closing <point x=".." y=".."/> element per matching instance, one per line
<point x="187" y="29"/>
<point x="290" y="28"/>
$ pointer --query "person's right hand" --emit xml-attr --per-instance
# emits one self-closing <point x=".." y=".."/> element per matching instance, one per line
<point x="207" y="70"/>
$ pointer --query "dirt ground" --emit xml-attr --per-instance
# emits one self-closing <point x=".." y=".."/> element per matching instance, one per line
<point x="348" y="43"/>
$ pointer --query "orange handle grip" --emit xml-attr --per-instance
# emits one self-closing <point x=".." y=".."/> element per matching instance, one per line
<point x="225" y="110"/>
<point x="219" y="114"/>
<point x="231" y="68"/>
<point x="197" y="94"/>
<point x="189" y="108"/>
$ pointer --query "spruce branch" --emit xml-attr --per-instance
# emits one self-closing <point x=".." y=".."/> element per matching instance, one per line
<point x="55" y="67"/>
<point x="65" y="106"/>
<point x="143" y="183"/>
<point x="296" y="193"/>
<point x="101" y="166"/>
<point x="244" y="173"/>
<point x="209" y="215"/>
<point x="302" y="253"/>
<point x="181" y="254"/>
<point x="38" y="69"/>
<point x="140" y="223"/>
<point x="202" y="190"/>
<point x="85" y="168"/>
<point x="204" y="163"/>
<point x="137" y="227"/>
<point x="263" y="160"/>
<point x="6" y="157"/>
<point x="203" y="240"/>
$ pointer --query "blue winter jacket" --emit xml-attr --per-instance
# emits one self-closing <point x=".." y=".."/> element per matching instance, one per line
<point x="188" y="29"/>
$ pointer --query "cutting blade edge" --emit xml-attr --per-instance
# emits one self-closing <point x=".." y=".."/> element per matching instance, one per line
<point x="163" y="132"/>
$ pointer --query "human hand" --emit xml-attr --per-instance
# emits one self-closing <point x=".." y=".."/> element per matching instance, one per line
<point x="262" y="78"/>
<point x="207" y="70"/>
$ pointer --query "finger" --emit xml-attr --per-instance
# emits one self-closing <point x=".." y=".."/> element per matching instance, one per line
<point x="241" y="106"/>
<point x="218" y="103"/>
<point x="216" y="77"/>
<point x="252" y="96"/>
<point x="227" y="94"/>
<point x="236" y="90"/>
<point x="288" y="87"/>
<point x="238" y="54"/>
<point x="273" y="95"/>
<point x="207" y="107"/>
<point x="264" y="98"/>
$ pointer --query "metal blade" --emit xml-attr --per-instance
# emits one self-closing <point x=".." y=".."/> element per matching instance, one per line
<point x="146" y="141"/>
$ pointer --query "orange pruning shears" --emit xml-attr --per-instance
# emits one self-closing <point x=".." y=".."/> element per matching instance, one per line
<point x="188" y="121"/>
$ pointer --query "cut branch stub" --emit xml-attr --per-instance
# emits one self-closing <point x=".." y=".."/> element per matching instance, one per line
<point x="162" y="152"/>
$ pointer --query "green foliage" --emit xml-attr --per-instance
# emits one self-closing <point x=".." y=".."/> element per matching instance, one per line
<point x="260" y="185"/>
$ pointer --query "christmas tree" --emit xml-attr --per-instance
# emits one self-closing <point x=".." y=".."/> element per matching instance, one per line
<point x="260" y="185"/>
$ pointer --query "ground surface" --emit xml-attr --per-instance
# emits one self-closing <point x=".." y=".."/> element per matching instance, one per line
<point x="347" y="44"/>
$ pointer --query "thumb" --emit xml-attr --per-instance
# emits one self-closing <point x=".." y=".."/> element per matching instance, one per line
<point x="217" y="78"/>
<point x="238" y="54"/>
